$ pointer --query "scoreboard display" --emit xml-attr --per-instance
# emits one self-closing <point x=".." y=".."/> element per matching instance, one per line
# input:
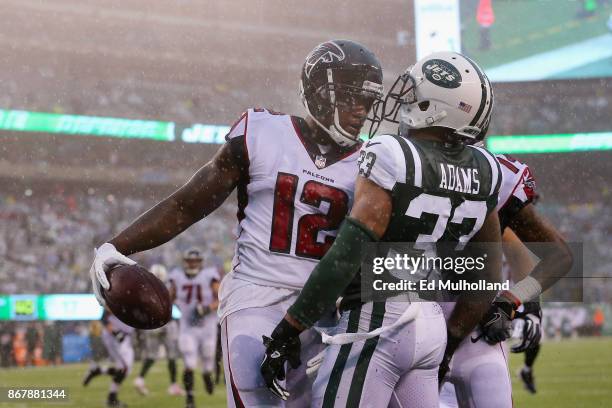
<point x="65" y="307"/>
<point x="512" y="40"/>
<point x="23" y="307"/>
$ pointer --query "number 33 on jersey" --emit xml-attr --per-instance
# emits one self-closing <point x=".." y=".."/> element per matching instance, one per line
<point x="291" y="202"/>
<point x="440" y="193"/>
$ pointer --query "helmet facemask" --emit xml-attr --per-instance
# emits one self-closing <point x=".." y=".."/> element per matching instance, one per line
<point x="332" y="97"/>
<point x="339" y="78"/>
<point x="413" y="102"/>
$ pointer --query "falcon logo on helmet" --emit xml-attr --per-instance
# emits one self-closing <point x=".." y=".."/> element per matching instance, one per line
<point x="326" y="53"/>
<point x="444" y="89"/>
<point x="192" y="262"/>
<point x="341" y="74"/>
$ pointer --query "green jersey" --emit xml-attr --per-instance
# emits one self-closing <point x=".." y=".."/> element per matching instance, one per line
<point x="440" y="192"/>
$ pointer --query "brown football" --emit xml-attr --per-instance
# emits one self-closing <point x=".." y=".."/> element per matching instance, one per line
<point x="137" y="297"/>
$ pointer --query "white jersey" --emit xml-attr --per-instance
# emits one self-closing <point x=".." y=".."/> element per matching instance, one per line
<point x="116" y="325"/>
<point x="517" y="188"/>
<point x="191" y="292"/>
<point x="292" y="203"/>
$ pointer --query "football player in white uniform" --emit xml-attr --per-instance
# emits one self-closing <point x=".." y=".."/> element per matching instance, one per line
<point x="117" y="339"/>
<point x="423" y="186"/>
<point x="295" y="180"/>
<point x="479" y="368"/>
<point x="195" y="289"/>
<point x="168" y="336"/>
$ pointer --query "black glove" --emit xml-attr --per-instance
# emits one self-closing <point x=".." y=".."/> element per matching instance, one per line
<point x="532" y="327"/>
<point x="119" y="335"/>
<point x="198" y="314"/>
<point x="283" y="345"/>
<point x="496" y="325"/>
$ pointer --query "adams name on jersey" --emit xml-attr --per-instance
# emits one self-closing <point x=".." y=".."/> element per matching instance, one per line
<point x="440" y="192"/>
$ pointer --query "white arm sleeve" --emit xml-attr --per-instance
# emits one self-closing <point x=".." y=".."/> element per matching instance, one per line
<point x="378" y="161"/>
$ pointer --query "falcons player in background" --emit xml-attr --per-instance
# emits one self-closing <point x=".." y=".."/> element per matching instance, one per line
<point x="195" y="289"/>
<point x="295" y="180"/>
<point x="168" y="336"/>
<point x="117" y="339"/>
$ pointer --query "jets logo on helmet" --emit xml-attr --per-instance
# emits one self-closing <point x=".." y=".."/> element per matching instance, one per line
<point x="326" y="53"/>
<point x="444" y="89"/>
<point x="442" y="73"/>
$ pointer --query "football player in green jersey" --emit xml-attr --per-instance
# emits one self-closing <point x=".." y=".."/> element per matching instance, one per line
<point x="426" y="186"/>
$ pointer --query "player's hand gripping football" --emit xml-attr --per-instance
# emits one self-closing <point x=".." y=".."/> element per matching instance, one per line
<point x="105" y="258"/>
<point x="283" y="346"/>
<point x="496" y="326"/>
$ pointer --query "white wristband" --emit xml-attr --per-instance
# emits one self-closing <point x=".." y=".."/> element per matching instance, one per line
<point x="526" y="290"/>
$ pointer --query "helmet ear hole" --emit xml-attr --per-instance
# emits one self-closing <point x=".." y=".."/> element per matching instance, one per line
<point x="423" y="106"/>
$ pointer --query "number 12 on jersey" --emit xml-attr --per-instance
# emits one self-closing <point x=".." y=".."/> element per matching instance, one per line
<point x="314" y="194"/>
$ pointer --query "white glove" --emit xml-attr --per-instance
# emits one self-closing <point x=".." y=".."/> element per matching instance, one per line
<point x="105" y="258"/>
<point x="313" y="365"/>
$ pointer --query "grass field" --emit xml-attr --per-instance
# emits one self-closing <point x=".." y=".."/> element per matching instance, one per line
<point x="571" y="373"/>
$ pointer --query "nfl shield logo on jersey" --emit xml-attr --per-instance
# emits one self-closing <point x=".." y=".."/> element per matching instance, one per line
<point x="320" y="161"/>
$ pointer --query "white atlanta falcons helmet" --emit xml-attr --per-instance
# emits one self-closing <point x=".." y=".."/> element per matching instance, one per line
<point x="444" y="89"/>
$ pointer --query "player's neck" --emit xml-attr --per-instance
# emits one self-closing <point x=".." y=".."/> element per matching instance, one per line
<point x="316" y="134"/>
<point x="434" y="135"/>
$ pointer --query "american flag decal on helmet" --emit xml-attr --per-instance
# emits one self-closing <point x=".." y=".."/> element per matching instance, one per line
<point x="465" y="107"/>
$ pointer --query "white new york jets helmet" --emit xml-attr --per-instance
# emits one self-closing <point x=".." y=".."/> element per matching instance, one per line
<point x="159" y="271"/>
<point x="444" y="89"/>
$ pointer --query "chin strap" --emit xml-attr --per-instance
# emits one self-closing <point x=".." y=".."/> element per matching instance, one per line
<point x="335" y="131"/>
<point x="426" y="122"/>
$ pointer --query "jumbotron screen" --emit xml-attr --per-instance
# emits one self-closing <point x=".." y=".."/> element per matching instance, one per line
<point x="521" y="40"/>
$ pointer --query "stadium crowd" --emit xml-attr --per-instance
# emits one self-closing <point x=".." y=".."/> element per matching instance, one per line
<point x="46" y="240"/>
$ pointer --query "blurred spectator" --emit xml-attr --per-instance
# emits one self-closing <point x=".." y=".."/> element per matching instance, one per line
<point x="31" y="338"/>
<point x="47" y="239"/>
<point x="6" y="344"/>
<point x="52" y="343"/>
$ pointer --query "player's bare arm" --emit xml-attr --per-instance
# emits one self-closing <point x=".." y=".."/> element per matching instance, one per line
<point x="172" y="290"/>
<point x="214" y="286"/>
<point x="202" y="194"/>
<point x="556" y="257"/>
<point x="518" y="256"/>
<point x="471" y="306"/>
